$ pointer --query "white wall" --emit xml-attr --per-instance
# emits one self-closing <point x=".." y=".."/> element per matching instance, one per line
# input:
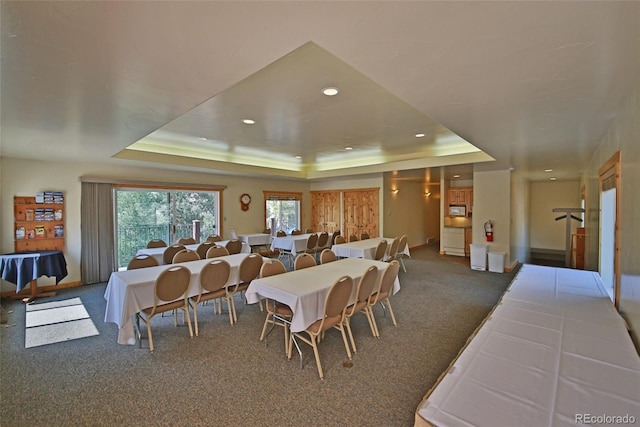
<point x="545" y="232"/>
<point x="492" y="201"/>
<point x="520" y="217"/>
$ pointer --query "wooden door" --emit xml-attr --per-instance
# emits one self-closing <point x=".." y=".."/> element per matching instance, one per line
<point x="361" y="212"/>
<point x="325" y="211"/>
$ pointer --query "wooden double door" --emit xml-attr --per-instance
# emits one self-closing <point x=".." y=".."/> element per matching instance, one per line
<point x="359" y="209"/>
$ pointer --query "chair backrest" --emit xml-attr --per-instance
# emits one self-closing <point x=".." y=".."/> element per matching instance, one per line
<point x="364" y="235"/>
<point x="338" y="297"/>
<point x="295" y="232"/>
<point x="333" y="237"/>
<point x="340" y="239"/>
<point x="353" y="238"/>
<point x="171" y="284"/>
<point x="381" y="250"/>
<point x="401" y="245"/>
<point x="266" y="231"/>
<point x="304" y="260"/>
<point x="185" y="256"/>
<point x="213" y="238"/>
<point x="250" y="268"/>
<point x="216" y="251"/>
<point x="187" y="241"/>
<point x="233" y="234"/>
<point x="327" y="255"/>
<point x="323" y="239"/>
<point x="280" y="233"/>
<point x="394" y="247"/>
<point x="389" y="278"/>
<point x="272" y="267"/>
<point x="308" y="230"/>
<point x="214" y="275"/>
<point x="312" y="242"/>
<point x="169" y="253"/>
<point x="367" y="284"/>
<point x="156" y="243"/>
<point x="234" y="246"/>
<point x="203" y="248"/>
<point x="142" y="261"/>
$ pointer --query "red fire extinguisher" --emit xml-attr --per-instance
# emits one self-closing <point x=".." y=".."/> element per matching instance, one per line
<point x="488" y="230"/>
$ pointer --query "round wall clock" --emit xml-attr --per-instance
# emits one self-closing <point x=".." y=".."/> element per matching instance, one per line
<point x="245" y="199"/>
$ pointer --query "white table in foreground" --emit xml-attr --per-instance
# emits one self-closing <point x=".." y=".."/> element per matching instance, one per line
<point x="364" y="248"/>
<point x="158" y="252"/>
<point x="129" y="292"/>
<point x="294" y="243"/>
<point x="553" y="350"/>
<point x="305" y="290"/>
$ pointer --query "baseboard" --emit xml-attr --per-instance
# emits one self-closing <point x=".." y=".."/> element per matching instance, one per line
<point x="52" y="288"/>
<point x="513" y="265"/>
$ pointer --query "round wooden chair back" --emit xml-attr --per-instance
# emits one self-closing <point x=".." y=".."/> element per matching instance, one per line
<point x="185" y="255"/>
<point x="249" y="268"/>
<point x="387" y="281"/>
<point x="353" y="238"/>
<point x="312" y="242"/>
<point x="327" y="255"/>
<point x="142" y="261"/>
<point x="401" y="245"/>
<point x="304" y="260"/>
<point x="338" y="298"/>
<point x="364" y="236"/>
<point x="295" y="232"/>
<point x="156" y="243"/>
<point x="381" y="250"/>
<point x="216" y="251"/>
<point x="214" y="275"/>
<point x="170" y="252"/>
<point x="394" y="247"/>
<point x="272" y="267"/>
<point x="340" y="239"/>
<point x="171" y="284"/>
<point x="187" y="241"/>
<point x="323" y="239"/>
<point x="234" y="246"/>
<point x="213" y="238"/>
<point x="203" y="248"/>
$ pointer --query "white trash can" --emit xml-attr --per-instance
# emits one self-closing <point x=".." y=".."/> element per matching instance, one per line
<point x="496" y="262"/>
<point x="478" y="256"/>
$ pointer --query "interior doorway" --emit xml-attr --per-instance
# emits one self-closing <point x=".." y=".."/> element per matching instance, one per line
<point x="609" y="226"/>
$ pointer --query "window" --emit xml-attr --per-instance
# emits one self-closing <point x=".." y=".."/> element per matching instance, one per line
<point x="143" y="214"/>
<point x="282" y="210"/>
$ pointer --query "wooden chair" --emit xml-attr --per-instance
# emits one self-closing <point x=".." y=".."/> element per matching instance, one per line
<point x="234" y="246"/>
<point x="217" y="251"/>
<point x="278" y="314"/>
<point x="333" y="317"/>
<point x="295" y="232"/>
<point x="187" y="241"/>
<point x="213" y="278"/>
<point x="381" y="250"/>
<point x="170" y="293"/>
<point x="339" y="240"/>
<point x="280" y="233"/>
<point x="364" y="290"/>
<point x="385" y="290"/>
<point x="308" y="230"/>
<point x="142" y="261"/>
<point x="203" y="248"/>
<point x="400" y="251"/>
<point x="364" y="235"/>
<point x="156" y="243"/>
<point x="248" y="270"/>
<point x="327" y="255"/>
<point x="392" y="250"/>
<point x="323" y="242"/>
<point x="185" y="255"/>
<point x="312" y="244"/>
<point x="333" y="238"/>
<point x="213" y="238"/>
<point x="353" y="238"/>
<point x="170" y="252"/>
<point x="304" y="260"/>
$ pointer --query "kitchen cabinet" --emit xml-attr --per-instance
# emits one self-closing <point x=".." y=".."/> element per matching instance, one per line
<point x="461" y="196"/>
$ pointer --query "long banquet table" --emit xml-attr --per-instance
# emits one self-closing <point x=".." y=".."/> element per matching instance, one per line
<point x="158" y="252"/>
<point x="364" y="248"/>
<point x="553" y="352"/>
<point x="294" y="243"/>
<point x="129" y="292"/>
<point x="305" y="290"/>
<point x="256" y="239"/>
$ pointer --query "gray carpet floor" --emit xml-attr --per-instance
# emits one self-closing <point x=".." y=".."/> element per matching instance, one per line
<point x="227" y="377"/>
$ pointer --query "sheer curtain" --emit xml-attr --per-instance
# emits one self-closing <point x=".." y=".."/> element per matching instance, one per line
<point x="97" y="259"/>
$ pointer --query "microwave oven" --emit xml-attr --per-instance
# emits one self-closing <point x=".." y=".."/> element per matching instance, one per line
<point x="457" y="211"/>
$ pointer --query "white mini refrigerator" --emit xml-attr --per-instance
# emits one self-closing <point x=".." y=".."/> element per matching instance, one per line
<point x="478" y="256"/>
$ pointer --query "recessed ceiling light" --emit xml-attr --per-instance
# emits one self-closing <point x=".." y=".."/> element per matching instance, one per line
<point x="419" y="135"/>
<point x="548" y="170"/>
<point x="348" y="148"/>
<point x="298" y="157"/>
<point x="330" y="91"/>
<point x="202" y="138"/>
<point x="456" y="176"/>
<point x="248" y="121"/>
<point x="553" y="178"/>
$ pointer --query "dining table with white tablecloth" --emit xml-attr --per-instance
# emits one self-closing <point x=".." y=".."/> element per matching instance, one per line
<point x="294" y="243"/>
<point x="305" y="290"/>
<point x="364" y="248"/>
<point x="129" y="292"/>
<point x="158" y="252"/>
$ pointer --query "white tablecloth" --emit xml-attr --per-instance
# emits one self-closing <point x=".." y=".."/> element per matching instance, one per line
<point x="256" y="239"/>
<point x="157" y="252"/>
<point x="554" y="349"/>
<point x="363" y="248"/>
<point x="296" y="244"/>
<point x="305" y="290"/>
<point x="129" y="292"/>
